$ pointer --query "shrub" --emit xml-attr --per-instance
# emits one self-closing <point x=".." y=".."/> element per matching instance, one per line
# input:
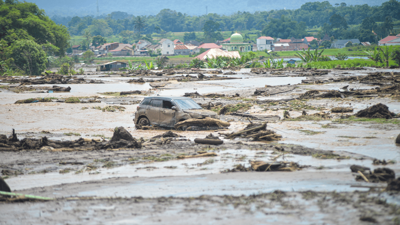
<point x="72" y="100"/>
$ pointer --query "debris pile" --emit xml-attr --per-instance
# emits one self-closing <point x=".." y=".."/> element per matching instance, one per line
<point x="52" y="79"/>
<point x="209" y="140"/>
<point x="324" y="94"/>
<point x="261" y="166"/>
<point x="206" y="123"/>
<point x="256" y="132"/>
<point x="273" y="90"/>
<point x="376" y="111"/>
<point x="378" y="175"/>
<point x="121" y="139"/>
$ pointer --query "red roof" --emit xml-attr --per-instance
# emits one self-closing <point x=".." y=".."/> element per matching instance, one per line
<point x="388" y="38"/>
<point x="228" y="39"/>
<point x="310" y="39"/>
<point x="209" y="46"/>
<point x="201" y="56"/>
<point x="285" y="40"/>
<point x="177" y="41"/>
<point x="266" y="38"/>
<point x="180" y="47"/>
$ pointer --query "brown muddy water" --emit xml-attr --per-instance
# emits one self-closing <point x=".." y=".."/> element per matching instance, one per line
<point x="197" y="190"/>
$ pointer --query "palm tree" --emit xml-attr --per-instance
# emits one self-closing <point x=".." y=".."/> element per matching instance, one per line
<point x="139" y="24"/>
<point x="386" y="52"/>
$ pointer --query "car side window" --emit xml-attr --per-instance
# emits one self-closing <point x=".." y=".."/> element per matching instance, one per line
<point x="156" y="103"/>
<point x="145" y="102"/>
<point x="167" y="104"/>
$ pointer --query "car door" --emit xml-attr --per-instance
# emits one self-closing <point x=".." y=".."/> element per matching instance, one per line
<point x="167" y="114"/>
<point x="153" y="111"/>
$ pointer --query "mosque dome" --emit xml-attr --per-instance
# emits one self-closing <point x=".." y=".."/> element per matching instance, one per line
<point x="236" y="38"/>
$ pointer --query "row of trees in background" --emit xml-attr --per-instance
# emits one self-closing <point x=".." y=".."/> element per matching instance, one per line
<point x="27" y="37"/>
<point x="312" y="14"/>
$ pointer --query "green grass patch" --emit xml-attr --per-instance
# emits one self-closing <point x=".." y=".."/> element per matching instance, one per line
<point x="72" y="100"/>
<point x="115" y="94"/>
<point x="311" y="132"/>
<point x="72" y="134"/>
<point x="33" y="100"/>
<point x="368" y="120"/>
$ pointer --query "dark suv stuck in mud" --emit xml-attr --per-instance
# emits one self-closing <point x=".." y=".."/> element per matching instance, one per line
<point x="167" y="111"/>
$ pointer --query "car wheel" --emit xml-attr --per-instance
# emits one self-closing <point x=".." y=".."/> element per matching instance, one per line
<point x="143" y="122"/>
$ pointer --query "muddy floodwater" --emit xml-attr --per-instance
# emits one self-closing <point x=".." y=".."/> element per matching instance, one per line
<point x="68" y="154"/>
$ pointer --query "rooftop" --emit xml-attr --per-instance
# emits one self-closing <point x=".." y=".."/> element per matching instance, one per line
<point x="388" y="38"/>
<point x="209" y="46"/>
<point x="180" y="47"/>
<point x="266" y="38"/>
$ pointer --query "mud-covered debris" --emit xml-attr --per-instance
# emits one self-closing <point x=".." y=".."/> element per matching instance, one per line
<point x="130" y="93"/>
<point x="208" y="154"/>
<point x="261" y="166"/>
<point x="168" y="134"/>
<point x="376" y="111"/>
<point x="120" y="133"/>
<point x="368" y="219"/>
<point x="394" y="185"/>
<point x="379" y="175"/>
<point x="210" y="140"/>
<point x="206" y="122"/>
<point x="273" y="90"/>
<point x="140" y="80"/>
<point x="60" y="89"/>
<point x="356" y="168"/>
<point x="324" y="94"/>
<point x="158" y="85"/>
<point x="286" y="114"/>
<point x="214" y="95"/>
<point x="274" y="166"/>
<point x="342" y="109"/>
<point x="398" y="139"/>
<point x="4" y="186"/>
<point x="192" y="94"/>
<point x="379" y="162"/>
<point x="256" y="132"/>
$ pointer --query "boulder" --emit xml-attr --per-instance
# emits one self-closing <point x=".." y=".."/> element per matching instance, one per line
<point x="398" y="139"/>
<point x="4" y="186"/>
<point x="120" y="133"/>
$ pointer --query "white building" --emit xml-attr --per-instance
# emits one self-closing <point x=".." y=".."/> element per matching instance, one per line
<point x="167" y="47"/>
<point x="265" y="43"/>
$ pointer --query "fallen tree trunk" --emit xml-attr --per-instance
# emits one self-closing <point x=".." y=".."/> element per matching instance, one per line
<point x="262" y="127"/>
<point x="130" y="93"/>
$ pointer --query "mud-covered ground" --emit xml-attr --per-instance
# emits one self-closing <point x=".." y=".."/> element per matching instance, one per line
<point x="157" y="184"/>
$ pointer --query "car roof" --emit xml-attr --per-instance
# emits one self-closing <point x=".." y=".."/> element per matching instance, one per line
<point x="167" y="98"/>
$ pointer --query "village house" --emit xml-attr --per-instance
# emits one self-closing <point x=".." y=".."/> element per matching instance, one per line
<point x="390" y="40"/>
<point x="208" y="46"/>
<point x="105" y="48"/>
<point x="308" y="40"/>
<point x="181" y="50"/>
<point x="122" y="50"/>
<point x="193" y="49"/>
<point x="167" y="47"/>
<point x="178" y="42"/>
<point x="141" y="48"/>
<point x="76" y="50"/>
<point x="216" y="52"/>
<point x="265" y="43"/>
<point x="111" y="66"/>
<point x="343" y="43"/>
<point x="193" y="42"/>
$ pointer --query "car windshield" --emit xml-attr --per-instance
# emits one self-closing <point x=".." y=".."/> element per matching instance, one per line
<point x="187" y="104"/>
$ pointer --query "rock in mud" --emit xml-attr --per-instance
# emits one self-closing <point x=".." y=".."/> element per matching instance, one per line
<point x="394" y="185"/>
<point x="120" y="133"/>
<point x="398" y="139"/>
<point x="376" y="111"/>
<point x="3" y="186"/>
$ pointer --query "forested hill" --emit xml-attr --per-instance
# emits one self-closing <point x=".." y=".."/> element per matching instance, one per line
<point x="190" y="7"/>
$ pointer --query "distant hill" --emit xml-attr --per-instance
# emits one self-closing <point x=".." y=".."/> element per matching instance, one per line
<point x="190" y="7"/>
